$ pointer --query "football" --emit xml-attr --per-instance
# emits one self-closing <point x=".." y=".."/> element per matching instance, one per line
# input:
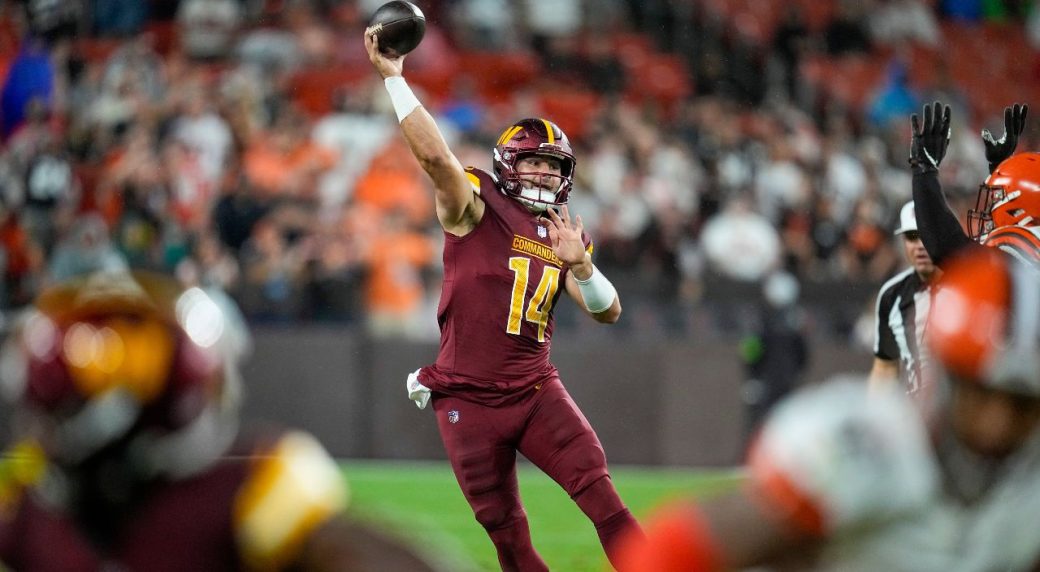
<point x="399" y="25"/>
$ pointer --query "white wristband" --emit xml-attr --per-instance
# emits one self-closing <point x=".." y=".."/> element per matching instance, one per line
<point x="401" y="96"/>
<point x="597" y="291"/>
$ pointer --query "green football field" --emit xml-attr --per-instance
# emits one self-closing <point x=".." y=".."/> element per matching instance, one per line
<point x="422" y="501"/>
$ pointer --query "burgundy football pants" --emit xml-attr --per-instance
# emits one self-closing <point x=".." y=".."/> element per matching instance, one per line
<point x="547" y="427"/>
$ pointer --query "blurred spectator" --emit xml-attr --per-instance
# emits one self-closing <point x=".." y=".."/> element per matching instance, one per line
<point x="893" y="22"/>
<point x="22" y="258"/>
<point x="776" y="353"/>
<point x="84" y="250"/>
<point x="209" y="265"/>
<point x="564" y="20"/>
<point x="207" y="28"/>
<point x="355" y="134"/>
<point x="394" y="182"/>
<point x="53" y="20"/>
<point x="204" y="132"/>
<point x="314" y="36"/>
<point x="137" y="65"/>
<point x="790" y="42"/>
<point x="37" y="134"/>
<point x="30" y="78"/>
<point x="868" y="255"/>
<point x="847" y="32"/>
<point x="896" y="99"/>
<point x="394" y="291"/>
<point x="780" y="184"/>
<point x="271" y="270"/>
<point x="237" y="211"/>
<point x="486" y="24"/>
<point x="118" y="17"/>
<point x="286" y="162"/>
<point x="50" y="187"/>
<point x="270" y="48"/>
<point x="740" y="243"/>
<point x="336" y="270"/>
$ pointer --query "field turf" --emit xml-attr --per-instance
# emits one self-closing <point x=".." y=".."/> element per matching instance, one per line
<point x="420" y="501"/>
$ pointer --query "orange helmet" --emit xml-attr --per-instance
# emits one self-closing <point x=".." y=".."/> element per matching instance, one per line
<point x="1009" y="197"/>
<point x="984" y="325"/>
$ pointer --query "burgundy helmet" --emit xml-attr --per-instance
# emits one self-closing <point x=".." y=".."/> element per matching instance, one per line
<point x="122" y="358"/>
<point x="529" y="137"/>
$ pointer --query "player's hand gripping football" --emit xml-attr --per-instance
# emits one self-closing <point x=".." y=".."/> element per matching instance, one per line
<point x="565" y="237"/>
<point x="385" y="66"/>
<point x="999" y="149"/>
<point x="929" y="142"/>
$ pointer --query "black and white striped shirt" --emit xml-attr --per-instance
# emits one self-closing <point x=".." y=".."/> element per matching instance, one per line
<point x="901" y="314"/>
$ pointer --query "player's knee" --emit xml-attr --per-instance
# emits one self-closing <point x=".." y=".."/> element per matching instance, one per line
<point x="600" y="501"/>
<point x="585" y="465"/>
<point x="496" y="516"/>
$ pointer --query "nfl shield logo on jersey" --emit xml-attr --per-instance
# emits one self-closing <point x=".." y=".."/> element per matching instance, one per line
<point x="453" y="416"/>
<point x="542" y="232"/>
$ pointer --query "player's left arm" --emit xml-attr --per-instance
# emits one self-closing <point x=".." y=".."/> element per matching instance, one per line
<point x="585" y="284"/>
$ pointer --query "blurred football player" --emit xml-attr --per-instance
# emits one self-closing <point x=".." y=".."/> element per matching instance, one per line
<point x="511" y="249"/>
<point x="1007" y="211"/>
<point x="901" y="312"/>
<point x="845" y="479"/>
<point x="126" y="393"/>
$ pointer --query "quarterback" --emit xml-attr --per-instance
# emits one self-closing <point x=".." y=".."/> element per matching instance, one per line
<point x="511" y="249"/>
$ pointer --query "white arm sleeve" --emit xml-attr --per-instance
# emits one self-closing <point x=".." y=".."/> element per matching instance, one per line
<point x="597" y="292"/>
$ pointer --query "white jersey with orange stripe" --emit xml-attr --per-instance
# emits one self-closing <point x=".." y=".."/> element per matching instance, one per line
<point x="1021" y="242"/>
<point x="865" y="466"/>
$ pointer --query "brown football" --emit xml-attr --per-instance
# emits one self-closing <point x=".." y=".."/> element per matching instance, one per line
<point x="399" y="25"/>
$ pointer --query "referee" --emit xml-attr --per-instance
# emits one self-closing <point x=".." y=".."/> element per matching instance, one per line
<point x="902" y="312"/>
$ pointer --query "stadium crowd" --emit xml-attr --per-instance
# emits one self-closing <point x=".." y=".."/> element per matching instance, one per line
<point x="243" y="144"/>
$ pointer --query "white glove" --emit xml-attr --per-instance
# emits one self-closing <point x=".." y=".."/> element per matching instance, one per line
<point x="417" y="392"/>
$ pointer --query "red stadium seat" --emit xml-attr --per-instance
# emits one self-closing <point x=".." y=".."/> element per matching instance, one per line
<point x="498" y="74"/>
<point x="97" y="50"/>
<point x="572" y="110"/>
<point x="166" y="37"/>
<point x="312" y="88"/>
<point x="664" y="79"/>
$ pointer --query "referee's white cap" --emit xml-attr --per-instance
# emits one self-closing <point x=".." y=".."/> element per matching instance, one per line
<point x="907" y="219"/>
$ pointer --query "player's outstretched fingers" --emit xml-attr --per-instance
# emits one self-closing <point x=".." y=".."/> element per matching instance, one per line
<point x="554" y="218"/>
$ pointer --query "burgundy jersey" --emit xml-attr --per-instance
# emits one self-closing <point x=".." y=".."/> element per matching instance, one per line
<point x="244" y="512"/>
<point x="501" y="283"/>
